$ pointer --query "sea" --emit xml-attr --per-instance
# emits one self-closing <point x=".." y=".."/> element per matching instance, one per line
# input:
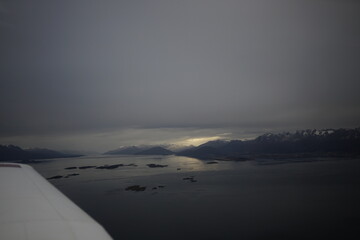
<point x="186" y="198"/>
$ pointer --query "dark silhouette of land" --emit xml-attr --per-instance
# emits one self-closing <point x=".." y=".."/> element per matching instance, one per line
<point x="125" y="150"/>
<point x="15" y="153"/>
<point x="155" y="151"/>
<point x="140" y="150"/>
<point x="300" y="144"/>
<point x="304" y="143"/>
<point x="152" y="165"/>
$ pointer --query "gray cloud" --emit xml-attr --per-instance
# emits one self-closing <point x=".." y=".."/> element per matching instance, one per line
<point x="90" y="66"/>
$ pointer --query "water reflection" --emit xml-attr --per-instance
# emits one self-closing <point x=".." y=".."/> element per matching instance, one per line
<point x="228" y="200"/>
<point x="133" y="166"/>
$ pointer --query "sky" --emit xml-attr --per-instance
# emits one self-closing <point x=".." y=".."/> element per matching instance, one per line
<point x="95" y="75"/>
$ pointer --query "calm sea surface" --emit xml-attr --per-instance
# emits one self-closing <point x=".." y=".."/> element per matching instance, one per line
<point x="190" y="199"/>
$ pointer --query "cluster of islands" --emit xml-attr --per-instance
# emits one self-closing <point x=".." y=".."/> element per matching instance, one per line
<point x="299" y="144"/>
<point x="109" y="167"/>
<point x="134" y="188"/>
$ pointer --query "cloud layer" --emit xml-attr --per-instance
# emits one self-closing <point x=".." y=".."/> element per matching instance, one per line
<point x="89" y="66"/>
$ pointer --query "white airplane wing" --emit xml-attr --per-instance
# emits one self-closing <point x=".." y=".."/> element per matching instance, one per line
<point x="33" y="209"/>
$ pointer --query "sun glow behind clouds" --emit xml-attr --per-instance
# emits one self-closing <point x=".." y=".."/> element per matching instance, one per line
<point x="199" y="141"/>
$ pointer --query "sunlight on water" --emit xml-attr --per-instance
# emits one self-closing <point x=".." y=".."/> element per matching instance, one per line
<point x="261" y="199"/>
<point x="174" y="164"/>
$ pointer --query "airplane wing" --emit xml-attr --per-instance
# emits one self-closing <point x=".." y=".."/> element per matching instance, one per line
<point x="33" y="209"/>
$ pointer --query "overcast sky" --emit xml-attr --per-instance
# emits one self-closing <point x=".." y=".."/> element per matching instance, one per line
<point x="94" y="75"/>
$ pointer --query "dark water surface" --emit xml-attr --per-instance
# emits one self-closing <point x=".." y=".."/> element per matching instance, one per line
<point x="312" y="199"/>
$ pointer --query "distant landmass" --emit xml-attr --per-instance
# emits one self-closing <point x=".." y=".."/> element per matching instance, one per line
<point x="302" y="143"/>
<point x="155" y="151"/>
<point x="15" y="153"/>
<point x="125" y="151"/>
<point x="140" y="150"/>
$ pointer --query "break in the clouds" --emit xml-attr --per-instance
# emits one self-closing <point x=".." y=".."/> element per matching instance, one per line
<point x="79" y="67"/>
<point x="93" y="142"/>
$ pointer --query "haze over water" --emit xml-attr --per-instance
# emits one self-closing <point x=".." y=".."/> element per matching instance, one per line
<point x="263" y="199"/>
<point x="89" y="76"/>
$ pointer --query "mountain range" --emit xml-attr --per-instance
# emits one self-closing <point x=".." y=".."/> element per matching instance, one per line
<point x="140" y="150"/>
<point x="303" y="143"/>
<point x="15" y="153"/>
<point x="328" y="142"/>
<point x="155" y="151"/>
